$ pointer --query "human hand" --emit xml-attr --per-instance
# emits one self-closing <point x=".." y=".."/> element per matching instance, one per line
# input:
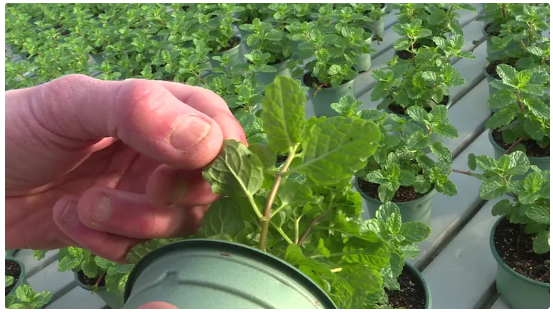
<point x="105" y="165"/>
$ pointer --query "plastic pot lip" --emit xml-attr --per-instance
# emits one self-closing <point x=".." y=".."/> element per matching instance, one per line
<point x="21" y="274"/>
<point x="504" y="265"/>
<point x="496" y="146"/>
<point x="214" y="244"/>
<point x="430" y="193"/>
<point x="422" y="281"/>
<point x="82" y="285"/>
<point x="345" y="85"/>
<point x="236" y="47"/>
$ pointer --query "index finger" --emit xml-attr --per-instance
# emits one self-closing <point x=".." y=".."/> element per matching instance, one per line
<point x="209" y="103"/>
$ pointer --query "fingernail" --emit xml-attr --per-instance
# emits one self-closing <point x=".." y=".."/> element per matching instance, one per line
<point x="189" y="131"/>
<point x="69" y="214"/>
<point x="101" y="212"/>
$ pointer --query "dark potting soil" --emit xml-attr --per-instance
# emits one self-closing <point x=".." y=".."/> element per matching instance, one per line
<point x="398" y="109"/>
<point x="13" y="270"/>
<point x="515" y="248"/>
<point x="309" y="81"/>
<point x="411" y="294"/>
<point x="90" y="281"/>
<point x="532" y="147"/>
<point x="281" y="158"/>
<point x="403" y="194"/>
<point x="491" y="69"/>
<point x="234" y="41"/>
<point x="406" y="55"/>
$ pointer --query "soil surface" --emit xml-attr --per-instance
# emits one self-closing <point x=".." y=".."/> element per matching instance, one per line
<point x="13" y="270"/>
<point x="411" y="294"/>
<point x="491" y="69"/>
<point x="281" y="158"/>
<point x="309" y="81"/>
<point x="234" y="41"/>
<point x="90" y="281"/>
<point x="515" y="248"/>
<point x="532" y="147"/>
<point x="403" y="194"/>
<point x="398" y="109"/>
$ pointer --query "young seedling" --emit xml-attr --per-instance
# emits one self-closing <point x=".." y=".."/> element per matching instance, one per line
<point x="26" y="298"/>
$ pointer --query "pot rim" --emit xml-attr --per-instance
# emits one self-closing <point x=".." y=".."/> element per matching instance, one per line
<point x="352" y="81"/>
<point x="84" y="286"/>
<point x="236" y="47"/>
<point x="504" y="265"/>
<point x="20" y="280"/>
<point x="430" y="193"/>
<point x="300" y="277"/>
<point x="495" y="145"/>
<point x="418" y="274"/>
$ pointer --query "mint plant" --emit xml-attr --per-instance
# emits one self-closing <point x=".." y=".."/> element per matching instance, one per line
<point x="523" y="116"/>
<point x="25" y="297"/>
<point x="401" y="159"/>
<point x="315" y="224"/>
<point x="529" y="205"/>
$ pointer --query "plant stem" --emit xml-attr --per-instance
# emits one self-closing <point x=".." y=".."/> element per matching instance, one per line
<point x="519" y="102"/>
<point x="514" y="144"/>
<point x="99" y="280"/>
<point x="279" y="230"/>
<point x="297" y="230"/>
<point x="315" y="221"/>
<point x="461" y="171"/>
<point x="504" y="10"/>
<point x="266" y="219"/>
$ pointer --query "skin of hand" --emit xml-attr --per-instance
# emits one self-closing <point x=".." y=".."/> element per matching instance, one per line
<point x="105" y="165"/>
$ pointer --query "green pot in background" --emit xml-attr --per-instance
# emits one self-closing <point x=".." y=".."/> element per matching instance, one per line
<point x="326" y="96"/>
<point x="235" y="54"/>
<point x="491" y="89"/>
<point x="377" y="27"/>
<point x="420" y="278"/>
<point x="283" y="69"/>
<point x="113" y="299"/>
<point x="22" y="279"/>
<point x="517" y="290"/>
<point x="419" y="209"/>
<point x="203" y="274"/>
<point x="540" y="162"/>
<point x="363" y="62"/>
<point x="10" y="253"/>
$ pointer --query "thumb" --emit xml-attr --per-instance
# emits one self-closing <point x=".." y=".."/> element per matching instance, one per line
<point x="141" y="113"/>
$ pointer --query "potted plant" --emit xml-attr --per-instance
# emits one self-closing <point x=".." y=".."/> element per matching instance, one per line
<point x="422" y="81"/>
<point x="95" y="274"/>
<point x="400" y="171"/>
<point x="213" y="24"/>
<point x="519" y="240"/>
<point x="331" y="75"/>
<point x="19" y="294"/>
<point x="522" y="120"/>
<point x="308" y="235"/>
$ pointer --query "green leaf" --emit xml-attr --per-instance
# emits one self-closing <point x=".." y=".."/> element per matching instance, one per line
<point x="492" y="188"/>
<point x="68" y="263"/>
<point x="123" y="282"/>
<point x="235" y="172"/>
<point x="9" y="280"/>
<point x="335" y="148"/>
<point x="418" y="140"/>
<point x="283" y="114"/>
<point x="446" y="187"/>
<point x="441" y="151"/>
<point x="386" y="210"/>
<point x="538" y="213"/>
<point x="393" y="224"/>
<point x="533" y="182"/>
<point x="418" y="114"/>
<point x="89" y="267"/>
<point x="539" y="108"/>
<point x="446" y="130"/>
<point x="503" y="207"/>
<point x="508" y="74"/>
<point x="222" y="220"/>
<point x="500" y="118"/>
<point x="518" y="163"/>
<point x="347" y="106"/>
<point x="472" y="161"/>
<point x="410" y="251"/>
<point x="415" y="232"/>
<point x="265" y="154"/>
<point x="309" y="266"/>
<point x="25" y="293"/>
<point x="533" y="128"/>
<point x="542" y="242"/>
<point x="501" y="98"/>
<point x="39" y="254"/>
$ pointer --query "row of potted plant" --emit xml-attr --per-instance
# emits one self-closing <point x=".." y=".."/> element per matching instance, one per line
<point x="19" y="294"/>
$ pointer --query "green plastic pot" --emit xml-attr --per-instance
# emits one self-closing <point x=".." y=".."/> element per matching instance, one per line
<point x="207" y="274"/>
<point x="510" y="46"/>
<point x="540" y="162"/>
<point x="22" y="279"/>
<point x="517" y="290"/>
<point x="326" y="96"/>
<point x="377" y="27"/>
<point x="10" y="253"/>
<point x="419" y="209"/>
<point x="363" y="62"/>
<point x="420" y="279"/>
<point x="491" y="89"/>
<point x="283" y="69"/>
<point x="113" y="299"/>
<point x="235" y="54"/>
<point x="387" y="7"/>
